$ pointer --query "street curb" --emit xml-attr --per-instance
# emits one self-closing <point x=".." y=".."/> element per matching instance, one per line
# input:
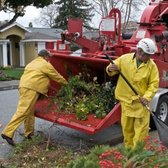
<point x="9" y="85"/>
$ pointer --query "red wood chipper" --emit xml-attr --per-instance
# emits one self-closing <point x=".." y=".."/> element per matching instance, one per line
<point x="153" y="24"/>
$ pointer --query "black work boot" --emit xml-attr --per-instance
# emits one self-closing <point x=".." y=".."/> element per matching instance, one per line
<point x="8" y="139"/>
<point x="30" y="136"/>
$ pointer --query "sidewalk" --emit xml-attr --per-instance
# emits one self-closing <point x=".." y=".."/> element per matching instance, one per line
<point x="8" y="85"/>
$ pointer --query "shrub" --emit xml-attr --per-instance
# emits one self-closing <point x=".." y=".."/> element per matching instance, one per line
<point x="3" y="76"/>
<point x="147" y="154"/>
<point x="7" y="74"/>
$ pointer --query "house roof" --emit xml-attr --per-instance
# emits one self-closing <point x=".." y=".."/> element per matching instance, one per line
<point x="48" y="31"/>
<point x="42" y="34"/>
<point x="12" y="25"/>
<point x="37" y="35"/>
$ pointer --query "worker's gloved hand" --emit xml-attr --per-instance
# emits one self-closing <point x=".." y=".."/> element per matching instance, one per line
<point x="113" y="67"/>
<point x="144" y="101"/>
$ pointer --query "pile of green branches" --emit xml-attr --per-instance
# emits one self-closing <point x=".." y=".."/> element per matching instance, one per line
<point x="82" y="97"/>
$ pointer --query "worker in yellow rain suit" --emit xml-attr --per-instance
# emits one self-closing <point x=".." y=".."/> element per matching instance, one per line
<point x="142" y="73"/>
<point x="34" y="81"/>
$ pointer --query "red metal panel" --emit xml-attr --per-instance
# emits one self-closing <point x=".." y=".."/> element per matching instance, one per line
<point x="49" y="45"/>
<point x="163" y="73"/>
<point x="68" y="65"/>
<point x="92" y="125"/>
<point x="75" y="25"/>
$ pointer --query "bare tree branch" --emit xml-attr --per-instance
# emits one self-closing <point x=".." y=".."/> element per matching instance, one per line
<point x="47" y="16"/>
<point x="18" y="12"/>
<point x="127" y="8"/>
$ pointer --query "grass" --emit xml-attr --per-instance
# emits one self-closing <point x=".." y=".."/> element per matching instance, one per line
<point x="10" y="74"/>
<point x="38" y="153"/>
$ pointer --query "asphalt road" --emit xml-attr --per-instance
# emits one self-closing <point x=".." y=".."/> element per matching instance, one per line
<point x="59" y="134"/>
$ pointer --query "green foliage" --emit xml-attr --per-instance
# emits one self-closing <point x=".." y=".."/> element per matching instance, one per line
<point x="81" y="111"/>
<point x="10" y="74"/>
<point x="147" y="154"/>
<point x="37" y="3"/>
<point x="22" y="147"/>
<point x="74" y="9"/>
<point x="84" y="98"/>
<point x="3" y="76"/>
<point x="92" y="159"/>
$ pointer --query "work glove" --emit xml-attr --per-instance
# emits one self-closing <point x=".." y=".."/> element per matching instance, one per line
<point x="144" y="101"/>
<point x="113" y="67"/>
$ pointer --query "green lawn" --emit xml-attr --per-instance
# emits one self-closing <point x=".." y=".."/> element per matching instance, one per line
<point x="10" y="73"/>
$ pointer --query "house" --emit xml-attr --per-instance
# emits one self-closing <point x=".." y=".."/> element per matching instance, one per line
<point x="10" y="38"/>
<point x="37" y="39"/>
<point x="19" y="45"/>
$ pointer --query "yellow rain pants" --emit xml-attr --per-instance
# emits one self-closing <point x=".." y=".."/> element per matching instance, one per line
<point x="24" y="113"/>
<point x="134" y="129"/>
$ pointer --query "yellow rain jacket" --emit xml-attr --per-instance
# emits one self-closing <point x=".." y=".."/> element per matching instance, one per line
<point x="37" y="75"/>
<point x="144" y="79"/>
